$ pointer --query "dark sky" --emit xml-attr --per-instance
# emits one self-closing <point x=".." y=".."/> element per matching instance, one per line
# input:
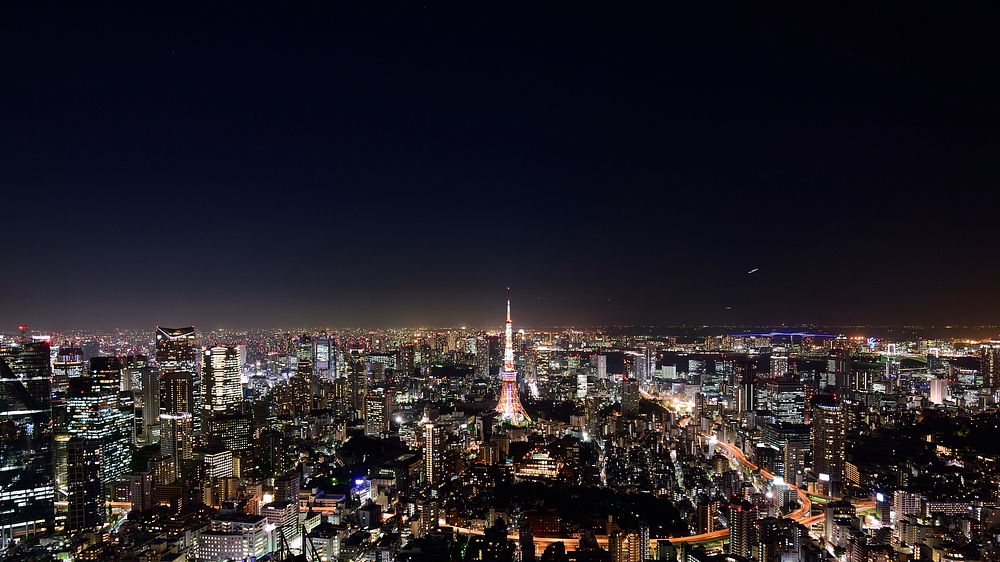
<point x="321" y="165"/>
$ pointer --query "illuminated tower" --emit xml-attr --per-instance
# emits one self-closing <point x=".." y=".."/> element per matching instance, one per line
<point x="509" y="406"/>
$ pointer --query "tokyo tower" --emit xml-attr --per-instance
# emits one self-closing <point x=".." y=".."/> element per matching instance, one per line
<point x="509" y="406"/>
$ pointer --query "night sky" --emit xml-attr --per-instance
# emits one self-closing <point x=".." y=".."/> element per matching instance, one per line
<point x="404" y="165"/>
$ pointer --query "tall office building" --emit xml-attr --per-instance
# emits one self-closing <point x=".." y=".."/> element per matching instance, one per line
<point x="938" y="391"/>
<point x="137" y="374"/>
<point x="742" y="519"/>
<point x="175" y="353"/>
<point x="827" y="440"/>
<point x="378" y="408"/>
<point x="791" y="443"/>
<point x="746" y="394"/>
<point x="786" y="399"/>
<point x="357" y="378"/>
<point x="324" y="356"/>
<point x="85" y="490"/>
<point x="989" y="365"/>
<point x="630" y="396"/>
<point x="95" y="413"/>
<point x="26" y="470"/>
<point x="151" y="393"/>
<point x="221" y="370"/>
<point x="305" y="355"/>
<point x="177" y="393"/>
<point x="649" y="356"/>
<point x="67" y="365"/>
<point x="432" y="453"/>
<point x="134" y="368"/>
<point x="779" y="365"/>
<point x="177" y="439"/>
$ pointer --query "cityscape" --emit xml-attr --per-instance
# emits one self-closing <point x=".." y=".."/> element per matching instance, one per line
<point x="499" y="444"/>
<point x="435" y="281"/>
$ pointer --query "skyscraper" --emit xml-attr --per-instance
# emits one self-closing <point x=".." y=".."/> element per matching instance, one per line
<point x="136" y="376"/>
<point x="323" y="354"/>
<point x="150" y="430"/>
<point x="177" y="393"/>
<point x="223" y="389"/>
<point x="630" y="396"/>
<point x="786" y="398"/>
<point x="779" y="365"/>
<point x="68" y="364"/>
<point x="177" y="439"/>
<point x="742" y="519"/>
<point x="989" y="359"/>
<point x="94" y="413"/>
<point x="509" y="405"/>
<point x="357" y="378"/>
<point x="175" y="353"/>
<point x="26" y="470"/>
<point x="827" y="440"/>
<point x="432" y="453"/>
<point x="85" y="488"/>
<point x="746" y="394"/>
<point x="378" y="407"/>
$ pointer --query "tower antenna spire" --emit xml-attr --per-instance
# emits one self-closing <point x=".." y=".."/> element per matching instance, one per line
<point x="509" y="406"/>
<point x="508" y="305"/>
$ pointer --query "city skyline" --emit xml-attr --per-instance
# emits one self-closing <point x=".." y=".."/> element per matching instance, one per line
<point x="515" y="282"/>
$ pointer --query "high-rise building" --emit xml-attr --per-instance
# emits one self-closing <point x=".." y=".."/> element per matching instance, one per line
<point x="85" y="488"/>
<point x="26" y="470"/>
<point x="746" y="394"/>
<point x="141" y="490"/>
<point x="989" y="365"/>
<point x="138" y="373"/>
<point x="177" y="393"/>
<point x="177" y="439"/>
<point x="324" y="356"/>
<point x="649" y="356"/>
<point x="742" y="519"/>
<point x="357" y="378"/>
<point x="630" y="396"/>
<point x="791" y="443"/>
<point x="432" y="453"/>
<point x="176" y="353"/>
<point x="150" y="430"/>
<point x="68" y="364"/>
<point x="95" y="413"/>
<point x="786" y="399"/>
<point x="378" y="408"/>
<point x="827" y="437"/>
<point x="629" y="546"/>
<point x="938" y="391"/>
<point x="705" y="511"/>
<point x="305" y="355"/>
<point x="221" y="371"/>
<point x="218" y="463"/>
<point x="779" y="365"/>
